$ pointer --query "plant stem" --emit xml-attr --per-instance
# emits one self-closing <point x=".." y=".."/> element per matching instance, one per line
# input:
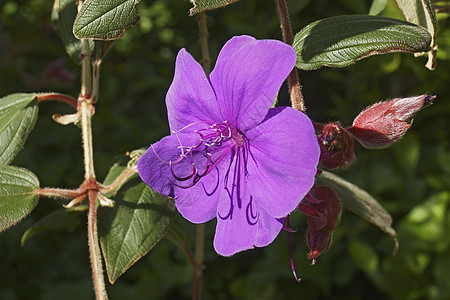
<point x="94" y="248"/>
<point x="59" y="193"/>
<point x="86" y="110"/>
<point x="286" y="31"/>
<point x="118" y="182"/>
<point x="58" y="97"/>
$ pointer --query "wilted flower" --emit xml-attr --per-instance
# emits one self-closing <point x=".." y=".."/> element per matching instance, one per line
<point x="336" y="146"/>
<point x="384" y="123"/>
<point x="229" y="156"/>
<point x="323" y="208"/>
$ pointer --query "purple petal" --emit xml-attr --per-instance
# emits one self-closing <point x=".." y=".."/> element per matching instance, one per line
<point x="162" y="159"/>
<point x="268" y="229"/>
<point x="241" y="223"/>
<point x="247" y="77"/>
<point x="283" y="159"/>
<point x="190" y="98"/>
<point x="198" y="204"/>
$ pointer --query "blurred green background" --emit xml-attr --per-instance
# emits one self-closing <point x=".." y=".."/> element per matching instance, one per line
<point x="410" y="179"/>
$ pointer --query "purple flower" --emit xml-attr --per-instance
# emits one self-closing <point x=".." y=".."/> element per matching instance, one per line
<point x="229" y="155"/>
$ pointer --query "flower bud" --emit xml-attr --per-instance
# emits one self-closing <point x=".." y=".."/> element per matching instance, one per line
<point x="384" y="123"/>
<point x="336" y="146"/>
<point x="323" y="208"/>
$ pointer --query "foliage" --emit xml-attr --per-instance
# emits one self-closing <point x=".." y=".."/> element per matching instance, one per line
<point x="411" y="179"/>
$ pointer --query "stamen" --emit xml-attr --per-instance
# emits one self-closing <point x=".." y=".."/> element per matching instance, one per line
<point x="291" y="257"/>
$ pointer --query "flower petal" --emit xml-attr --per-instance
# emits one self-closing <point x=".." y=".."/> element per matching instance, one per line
<point x="241" y="223"/>
<point x="190" y="98"/>
<point x="284" y="153"/>
<point x="163" y="159"/>
<point x="247" y="77"/>
<point x="198" y="204"/>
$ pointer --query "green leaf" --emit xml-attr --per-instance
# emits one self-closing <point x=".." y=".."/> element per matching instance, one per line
<point x="134" y="226"/>
<point x="202" y="5"/>
<point x="377" y="7"/>
<point x="359" y="201"/>
<point x="105" y="19"/>
<point x="17" y="196"/>
<point x="63" y="17"/>
<point x="421" y="12"/>
<point x="18" y="114"/>
<point x="64" y="218"/>
<point x="340" y="41"/>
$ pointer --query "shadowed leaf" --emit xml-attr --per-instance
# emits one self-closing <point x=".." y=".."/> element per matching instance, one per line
<point x="64" y="218"/>
<point x="17" y="197"/>
<point x="18" y="114"/>
<point x="359" y="201"/>
<point x="134" y="226"/>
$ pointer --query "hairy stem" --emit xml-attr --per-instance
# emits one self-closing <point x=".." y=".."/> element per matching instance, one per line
<point x="293" y="83"/>
<point x="59" y="193"/>
<point x="94" y="248"/>
<point x="86" y="110"/>
<point x="118" y="182"/>
<point x="57" y="97"/>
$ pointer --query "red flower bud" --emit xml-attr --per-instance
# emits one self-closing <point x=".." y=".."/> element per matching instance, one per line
<point x="336" y="146"/>
<point x="384" y="123"/>
<point x="323" y="208"/>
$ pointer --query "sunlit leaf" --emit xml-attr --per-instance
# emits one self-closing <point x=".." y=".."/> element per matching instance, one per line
<point x="377" y="7"/>
<point x="105" y="19"/>
<point x="421" y="12"/>
<point x="359" y="201"/>
<point x="64" y="218"/>
<point x="17" y="196"/>
<point x="340" y="41"/>
<point x="202" y="5"/>
<point x="63" y="17"/>
<point x="134" y="226"/>
<point x="18" y="114"/>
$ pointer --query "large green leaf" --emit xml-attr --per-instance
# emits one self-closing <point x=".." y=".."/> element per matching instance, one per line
<point x="64" y="218"/>
<point x="202" y="5"/>
<point x="63" y="17"/>
<point x="359" y="201"/>
<point x="421" y="12"/>
<point x="340" y="41"/>
<point x="18" y="114"/>
<point x="105" y="19"/>
<point x="134" y="226"/>
<point x="17" y="196"/>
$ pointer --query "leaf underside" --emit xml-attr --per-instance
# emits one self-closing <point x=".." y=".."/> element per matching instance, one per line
<point x="359" y="201"/>
<point x="204" y="5"/>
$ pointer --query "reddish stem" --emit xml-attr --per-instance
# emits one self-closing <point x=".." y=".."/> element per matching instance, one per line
<point x="286" y="31"/>
<point x="57" y="97"/>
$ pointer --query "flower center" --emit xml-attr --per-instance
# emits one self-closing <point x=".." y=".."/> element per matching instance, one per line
<point x="214" y="143"/>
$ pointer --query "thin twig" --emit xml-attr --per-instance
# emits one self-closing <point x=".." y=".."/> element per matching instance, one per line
<point x="57" y="97"/>
<point x="293" y="83"/>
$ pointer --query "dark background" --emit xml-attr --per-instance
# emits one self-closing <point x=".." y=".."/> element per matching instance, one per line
<point x="411" y="179"/>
